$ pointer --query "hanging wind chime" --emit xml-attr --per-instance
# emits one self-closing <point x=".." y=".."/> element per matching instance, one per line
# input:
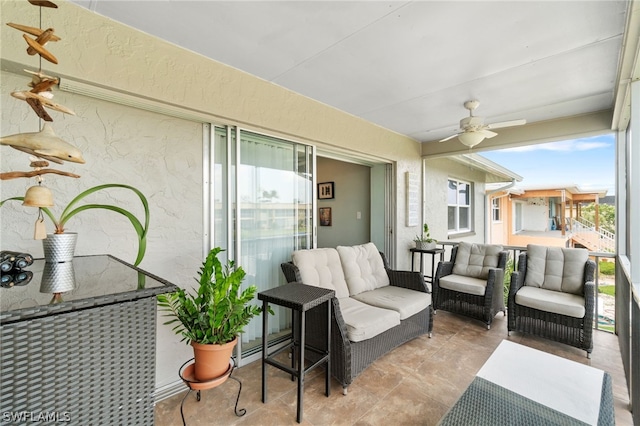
<point x="43" y="146"/>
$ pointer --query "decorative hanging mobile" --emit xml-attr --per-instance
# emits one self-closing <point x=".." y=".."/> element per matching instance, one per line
<point x="43" y="146"/>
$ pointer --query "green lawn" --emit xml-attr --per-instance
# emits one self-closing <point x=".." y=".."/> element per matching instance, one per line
<point x="607" y="289"/>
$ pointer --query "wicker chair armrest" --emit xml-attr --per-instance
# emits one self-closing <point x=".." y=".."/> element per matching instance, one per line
<point x="340" y="327"/>
<point x="291" y="272"/>
<point x="589" y="270"/>
<point x="517" y="277"/>
<point x="589" y="300"/>
<point x="444" y="269"/>
<point x="503" y="257"/>
<point x="408" y="279"/>
<point x="495" y="283"/>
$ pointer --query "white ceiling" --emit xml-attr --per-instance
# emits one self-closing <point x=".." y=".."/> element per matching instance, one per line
<point x="407" y="66"/>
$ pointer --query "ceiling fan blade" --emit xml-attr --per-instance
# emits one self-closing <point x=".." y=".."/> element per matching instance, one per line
<point x="487" y="133"/>
<point x="506" y="124"/>
<point x="447" y="138"/>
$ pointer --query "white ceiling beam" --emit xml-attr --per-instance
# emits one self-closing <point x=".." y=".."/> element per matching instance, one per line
<point x="579" y="126"/>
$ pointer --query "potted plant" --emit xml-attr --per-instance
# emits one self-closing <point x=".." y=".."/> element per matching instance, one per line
<point x="67" y="239"/>
<point x="424" y="241"/>
<point x="211" y="319"/>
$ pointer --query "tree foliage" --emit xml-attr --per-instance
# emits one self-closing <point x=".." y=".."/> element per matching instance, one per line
<point x="607" y="215"/>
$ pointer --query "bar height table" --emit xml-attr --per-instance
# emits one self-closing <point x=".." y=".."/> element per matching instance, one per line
<point x="299" y="298"/>
<point x="433" y="252"/>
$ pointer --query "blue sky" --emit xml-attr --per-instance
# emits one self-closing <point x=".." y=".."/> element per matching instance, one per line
<point x="588" y="163"/>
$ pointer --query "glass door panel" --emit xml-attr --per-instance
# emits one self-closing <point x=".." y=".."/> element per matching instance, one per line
<point x="275" y="194"/>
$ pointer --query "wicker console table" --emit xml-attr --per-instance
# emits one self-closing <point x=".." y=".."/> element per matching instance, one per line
<point x="79" y="344"/>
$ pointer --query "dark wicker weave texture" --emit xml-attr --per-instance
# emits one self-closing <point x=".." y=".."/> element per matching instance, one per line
<point x="300" y="297"/>
<point x="349" y="359"/>
<point x="572" y="331"/>
<point x="485" y="403"/>
<point x="96" y="366"/>
<point x="483" y="308"/>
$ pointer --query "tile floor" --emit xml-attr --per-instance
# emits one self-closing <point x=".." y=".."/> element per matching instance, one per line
<point x="413" y="385"/>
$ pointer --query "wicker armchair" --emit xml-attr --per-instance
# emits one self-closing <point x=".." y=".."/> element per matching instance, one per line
<point x="349" y="359"/>
<point x="552" y="295"/>
<point x="472" y="282"/>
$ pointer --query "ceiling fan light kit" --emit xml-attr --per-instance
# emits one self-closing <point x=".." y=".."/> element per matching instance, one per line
<point x="471" y="139"/>
<point x="473" y="130"/>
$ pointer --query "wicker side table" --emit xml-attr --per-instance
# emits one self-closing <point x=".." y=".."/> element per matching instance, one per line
<point x="299" y="298"/>
<point x="427" y="278"/>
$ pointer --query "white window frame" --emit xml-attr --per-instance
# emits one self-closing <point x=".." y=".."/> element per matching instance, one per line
<point x="496" y="209"/>
<point x="457" y="205"/>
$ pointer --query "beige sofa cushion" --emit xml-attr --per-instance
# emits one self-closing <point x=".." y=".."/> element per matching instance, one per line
<point x="321" y="268"/>
<point x="402" y="300"/>
<point x="556" y="302"/>
<point x="463" y="284"/>
<point x="363" y="268"/>
<point x="365" y="321"/>
<point x="556" y="268"/>
<point x="475" y="260"/>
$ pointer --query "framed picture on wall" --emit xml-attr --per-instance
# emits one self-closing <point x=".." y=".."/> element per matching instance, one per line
<point x="325" y="190"/>
<point x="325" y="216"/>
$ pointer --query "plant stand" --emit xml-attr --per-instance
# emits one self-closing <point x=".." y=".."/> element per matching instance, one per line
<point x="186" y="374"/>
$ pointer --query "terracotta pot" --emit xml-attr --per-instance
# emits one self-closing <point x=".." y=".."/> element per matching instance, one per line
<point x="212" y="361"/>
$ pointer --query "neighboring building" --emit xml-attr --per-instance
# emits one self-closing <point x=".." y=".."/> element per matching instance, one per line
<point x="548" y="216"/>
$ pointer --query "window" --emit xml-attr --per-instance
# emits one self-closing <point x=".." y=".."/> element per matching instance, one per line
<point x="495" y="210"/>
<point x="459" y="206"/>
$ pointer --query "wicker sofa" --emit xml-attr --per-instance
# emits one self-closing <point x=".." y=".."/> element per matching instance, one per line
<point x="375" y="310"/>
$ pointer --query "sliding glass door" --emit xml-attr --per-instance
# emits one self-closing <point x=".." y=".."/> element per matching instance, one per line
<point x="262" y="208"/>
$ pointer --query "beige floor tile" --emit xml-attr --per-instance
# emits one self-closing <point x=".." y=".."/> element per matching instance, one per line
<point x="414" y="384"/>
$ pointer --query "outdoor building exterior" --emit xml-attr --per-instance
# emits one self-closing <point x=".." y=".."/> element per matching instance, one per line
<point x="547" y="216"/>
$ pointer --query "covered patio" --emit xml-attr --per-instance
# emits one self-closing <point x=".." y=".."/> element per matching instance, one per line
<point x="416" y="384"/>
<point x="152" y="108"/>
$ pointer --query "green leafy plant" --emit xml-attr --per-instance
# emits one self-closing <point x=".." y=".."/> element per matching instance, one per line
<point x="508" y="270"/>
<point x="425" y="237"/>
<point x="70" y="211"/>
<point x="219" y="311"/>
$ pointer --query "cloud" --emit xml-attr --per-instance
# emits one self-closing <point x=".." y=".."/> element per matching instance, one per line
<point x="586" y="144"/>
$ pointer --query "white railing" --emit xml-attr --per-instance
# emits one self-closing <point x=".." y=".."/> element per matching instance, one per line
<point x="596" y="240"/>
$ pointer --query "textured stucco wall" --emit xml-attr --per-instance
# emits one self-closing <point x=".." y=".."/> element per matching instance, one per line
<point x="160" y="155"/>
<point x="437" y="172"/>
<point x="100" y="51"/>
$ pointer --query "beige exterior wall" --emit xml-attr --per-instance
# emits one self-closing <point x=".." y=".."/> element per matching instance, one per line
<point x="499" y="230"/>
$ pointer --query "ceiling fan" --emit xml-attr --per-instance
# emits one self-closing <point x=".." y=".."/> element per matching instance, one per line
<point x="473" y="130"/>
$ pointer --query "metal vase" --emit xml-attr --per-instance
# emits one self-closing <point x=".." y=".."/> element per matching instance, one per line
<point x="59" y="247"/>
<point x="57" y="277"/>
